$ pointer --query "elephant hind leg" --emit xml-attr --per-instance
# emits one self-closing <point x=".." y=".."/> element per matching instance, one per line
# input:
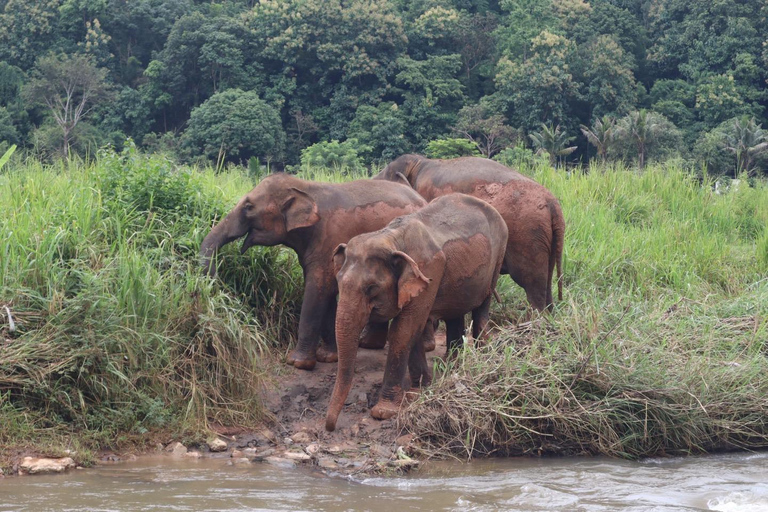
<point x="454" y="332"/>
<point x="327" y="352"/>
<point x="480" y="318"/>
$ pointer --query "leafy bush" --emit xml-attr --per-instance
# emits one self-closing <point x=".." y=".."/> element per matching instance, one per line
<point x="332" y="155"/>
<point x="519" y="157"/>
<point x="235" y="125"/>
<point x="451" y="148"/>
<point x="151" y="183"/>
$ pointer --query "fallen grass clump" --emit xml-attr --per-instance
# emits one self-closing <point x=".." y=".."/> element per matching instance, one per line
<point x="659" y="347"/>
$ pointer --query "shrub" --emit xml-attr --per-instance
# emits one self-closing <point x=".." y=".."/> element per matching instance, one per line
<point x="451" y="148"/>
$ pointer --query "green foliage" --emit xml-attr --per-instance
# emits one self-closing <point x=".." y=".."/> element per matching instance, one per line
<point x="235" y="125"/>
<point x="451" y="148"/>
<point x="7" y="156"/>
<point x="552" y="141"/>
<point x="330" y="69"/>
<point x="150" y="184"/>
<point x="380" y="131"/>
<point x="70" y="87"/>
<point x="645" y="133"/>
<point x="332" y="155"/>
<point x="521" y="158"/>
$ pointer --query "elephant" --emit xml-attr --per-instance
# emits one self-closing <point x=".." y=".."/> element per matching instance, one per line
<point x="311" y="218"/>
<point x="440" y="262"/>
<point x="533" y="215"/>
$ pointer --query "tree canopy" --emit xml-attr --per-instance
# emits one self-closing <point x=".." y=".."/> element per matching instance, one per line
<point x="394" y="76"/>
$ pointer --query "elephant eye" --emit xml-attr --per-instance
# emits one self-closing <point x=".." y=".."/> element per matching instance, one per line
<point x="248" y="207"/>
<point x="372" y="289"/>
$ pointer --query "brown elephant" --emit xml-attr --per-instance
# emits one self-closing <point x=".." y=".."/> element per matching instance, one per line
<point x="312" y="219"/>
<point x="533" y="215"/>
<point x="438" y="263"/>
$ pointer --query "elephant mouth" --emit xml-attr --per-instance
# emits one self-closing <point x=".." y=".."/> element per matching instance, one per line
<point x="248" y="242"/>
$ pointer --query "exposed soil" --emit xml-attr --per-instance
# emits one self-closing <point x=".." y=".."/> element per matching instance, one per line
<point x="299" y="403"/>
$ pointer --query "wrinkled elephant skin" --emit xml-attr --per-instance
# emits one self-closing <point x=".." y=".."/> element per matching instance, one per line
<point x="533" y="215"/>
<point x="438" y="263"/>
<point x="312" y="219"/>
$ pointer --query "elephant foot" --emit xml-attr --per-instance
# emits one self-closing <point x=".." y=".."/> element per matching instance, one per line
<point x="301" y="361"/>
<point x="325" y="355"/>
<point x="386" y="409"/>
<point x="373" y="339"/>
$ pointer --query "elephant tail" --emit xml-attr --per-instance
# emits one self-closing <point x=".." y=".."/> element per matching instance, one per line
<point x="558" y="242"/>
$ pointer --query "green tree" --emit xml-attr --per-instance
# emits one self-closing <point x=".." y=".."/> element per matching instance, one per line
<point x="70" y="87"/>
<point x="28" y="28"/>
<point x="552" y="141"/>
<point x="488" y="131"/>
<point x="601" y="135"/>
<point x="606" y="72"/>
<point x="202" y="56"/>
<point x="380" y="131"/>
<point x="644" y="130"/>
<point x="540" y="88"/>
<point x="745" y="139"/>
<point x="235" y="125"/>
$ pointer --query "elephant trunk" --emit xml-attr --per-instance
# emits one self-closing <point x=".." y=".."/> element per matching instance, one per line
<point x="224" y="232"/>
<point x="351" y="317"/>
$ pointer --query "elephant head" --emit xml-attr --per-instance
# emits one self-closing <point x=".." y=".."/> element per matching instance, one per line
<point x="267" y="216"/>
<point x="375" y="282"/>
<point x="401" y="170"/>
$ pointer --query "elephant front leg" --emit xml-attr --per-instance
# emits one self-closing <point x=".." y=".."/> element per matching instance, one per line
<point x="313" y="311"/>
<point x="405" y="331"/>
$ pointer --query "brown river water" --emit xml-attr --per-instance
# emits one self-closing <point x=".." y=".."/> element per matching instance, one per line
<point x="731" y="483"/>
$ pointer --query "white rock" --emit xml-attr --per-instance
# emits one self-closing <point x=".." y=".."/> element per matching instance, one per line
<point x="241" y="460"/>
<point x="281" y="462"/>
<point x="177" y="449"/>
<point x="192" y="455"/>
<point x="312" y="449"/>
<point x="301" y="437"/>
<point x="217" y="445"/>
<point x="35" y="466"/>
<point x="300" y="456"/>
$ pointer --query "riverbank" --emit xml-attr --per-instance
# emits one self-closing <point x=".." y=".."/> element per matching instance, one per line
<point x="113" y="340"/>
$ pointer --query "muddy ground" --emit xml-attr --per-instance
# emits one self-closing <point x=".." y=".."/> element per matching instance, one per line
<point x="299" y="401"/>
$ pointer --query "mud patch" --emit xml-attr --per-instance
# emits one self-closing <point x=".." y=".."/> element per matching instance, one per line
<point x="360" y="443"/>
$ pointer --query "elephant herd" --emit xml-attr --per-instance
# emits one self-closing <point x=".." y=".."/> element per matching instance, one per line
<point x="424" y="240"/>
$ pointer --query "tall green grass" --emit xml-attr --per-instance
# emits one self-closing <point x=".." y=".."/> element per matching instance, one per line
<point x="116" y="330"/>
<point x="658" y="347"/>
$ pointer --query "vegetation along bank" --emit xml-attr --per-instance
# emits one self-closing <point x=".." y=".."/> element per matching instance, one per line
<point x="112" y="337"/>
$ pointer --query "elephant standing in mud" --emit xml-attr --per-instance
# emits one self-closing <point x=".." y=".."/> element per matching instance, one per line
<point x="533" y="215"/>
<point x="312" y="219"/>
<point x="438" y="263"/>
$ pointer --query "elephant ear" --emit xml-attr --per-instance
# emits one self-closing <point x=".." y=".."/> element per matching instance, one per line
<point x="300" y="210"/>
<point x="411" y="282"/>
<point x="339" y="255"/>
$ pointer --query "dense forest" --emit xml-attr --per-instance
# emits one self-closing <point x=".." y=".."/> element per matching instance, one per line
<point x="358" y="82"/>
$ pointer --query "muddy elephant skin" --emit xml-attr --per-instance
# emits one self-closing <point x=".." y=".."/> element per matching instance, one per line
<point x="533" y="215"/>
<point x="438" y="263"/>
<point x="311" y="218"/>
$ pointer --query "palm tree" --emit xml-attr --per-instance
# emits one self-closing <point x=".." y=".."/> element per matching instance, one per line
<point x="553" y="142"/>
<point x="642" y="128"/>
<point x="601" y="135"/>
<point x="746" y="140"/>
